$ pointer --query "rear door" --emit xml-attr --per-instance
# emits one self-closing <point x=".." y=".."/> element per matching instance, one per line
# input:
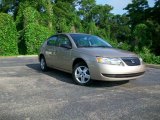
<point x="64" y="54"/>
<point x="50" y="52"/>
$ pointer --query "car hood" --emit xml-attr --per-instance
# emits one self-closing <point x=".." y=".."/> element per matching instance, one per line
<point x="106" y="52"/>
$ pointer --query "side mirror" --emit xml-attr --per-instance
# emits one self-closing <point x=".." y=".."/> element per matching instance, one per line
<point x="66" y="46"/>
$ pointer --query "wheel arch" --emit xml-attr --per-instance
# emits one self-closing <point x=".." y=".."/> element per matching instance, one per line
<point x="40" y="56"/>
<point x="79" y="60"/>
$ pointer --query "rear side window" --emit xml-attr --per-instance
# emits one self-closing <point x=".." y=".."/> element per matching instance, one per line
<point x="52" y="41"/>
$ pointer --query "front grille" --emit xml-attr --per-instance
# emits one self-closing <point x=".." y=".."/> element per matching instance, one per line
<point x="123" y="75"/>
<point x="131" y="61"/>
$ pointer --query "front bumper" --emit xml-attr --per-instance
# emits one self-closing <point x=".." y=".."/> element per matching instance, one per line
<point x="106" y="72"/>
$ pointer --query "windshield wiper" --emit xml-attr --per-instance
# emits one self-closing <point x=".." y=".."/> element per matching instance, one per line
<point x="104" y="46"/>
<point x="86" y="46"/>
<point x="96" y="46"/>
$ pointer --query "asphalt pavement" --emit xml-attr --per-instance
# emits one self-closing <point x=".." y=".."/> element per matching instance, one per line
<point x="26" y="93"/>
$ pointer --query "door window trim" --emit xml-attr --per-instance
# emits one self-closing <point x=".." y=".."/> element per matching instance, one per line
<point x="58" y="43"/>
<point x="49" y="39"/>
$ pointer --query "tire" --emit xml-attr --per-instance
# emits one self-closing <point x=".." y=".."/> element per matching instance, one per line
<point x="81" y="74"/>
<point x="43" y="64"/>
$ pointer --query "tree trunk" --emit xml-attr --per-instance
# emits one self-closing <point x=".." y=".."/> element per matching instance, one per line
<point x="49" y="11"/>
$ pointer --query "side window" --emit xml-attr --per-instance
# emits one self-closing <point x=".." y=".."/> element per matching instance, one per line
<point x="63" y="40"/>
<point x="52" y="41"/>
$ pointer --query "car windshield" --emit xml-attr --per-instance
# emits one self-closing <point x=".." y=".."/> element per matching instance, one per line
<point x="85" y="40"/>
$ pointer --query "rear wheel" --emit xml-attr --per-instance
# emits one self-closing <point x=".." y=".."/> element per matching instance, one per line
<point x="81" y="74"/>
<point x="43" y="64"/>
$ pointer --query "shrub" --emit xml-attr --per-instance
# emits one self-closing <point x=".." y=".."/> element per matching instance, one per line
<point x="124" y="46"/>
<point x="34" y="36"/>
<point x="149" y="57"/>
<point x="142" y="36"/>
<point x="31" y="15"/>
<point x="8" y="35"/>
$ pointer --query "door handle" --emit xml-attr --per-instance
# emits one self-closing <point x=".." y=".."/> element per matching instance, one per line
<point x="48" y="53"/>
<point x="53" y="52"/>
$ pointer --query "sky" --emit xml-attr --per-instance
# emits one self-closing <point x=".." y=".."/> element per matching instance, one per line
<point x="120" y="4"/>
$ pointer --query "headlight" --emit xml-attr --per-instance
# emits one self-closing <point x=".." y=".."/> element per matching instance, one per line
<point x="110" y="61"/>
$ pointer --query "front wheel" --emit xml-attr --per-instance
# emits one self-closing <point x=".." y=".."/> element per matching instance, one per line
<point x="43" y="64"/>
<point x="81" y="74"/>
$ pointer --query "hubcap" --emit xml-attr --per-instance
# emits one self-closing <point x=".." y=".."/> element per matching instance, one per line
<point x="42" y="64"/>
<point x="82" y="74"/>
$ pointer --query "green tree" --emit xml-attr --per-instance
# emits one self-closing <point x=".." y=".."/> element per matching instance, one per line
<point x="47" y="5"/>
<point x="142" y="36"/>
<point x="120" y="29"/>
<point x="34" y="36"/>
<point x="65" y="16"/>
<point x="153" y="23"/>
<point x="26" y="15"/>
<point x="8" y="35"/>
<point x="154" y="12"/>
<point x="154" y="30"/>
<point x="136" y="12"/>
<point x="100" y="14"/>
<point x="85" y="6"/>
<point x="7" y="5"/>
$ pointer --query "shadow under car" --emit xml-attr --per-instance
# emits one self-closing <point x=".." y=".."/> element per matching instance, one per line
<point x="66" y="77"/>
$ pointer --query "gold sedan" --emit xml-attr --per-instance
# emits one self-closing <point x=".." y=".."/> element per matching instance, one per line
<point x="88" y="58"/>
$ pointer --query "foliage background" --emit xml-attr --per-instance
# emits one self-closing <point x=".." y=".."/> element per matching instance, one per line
<point x="24" y="25"/>
<point x="8" y="35"/>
